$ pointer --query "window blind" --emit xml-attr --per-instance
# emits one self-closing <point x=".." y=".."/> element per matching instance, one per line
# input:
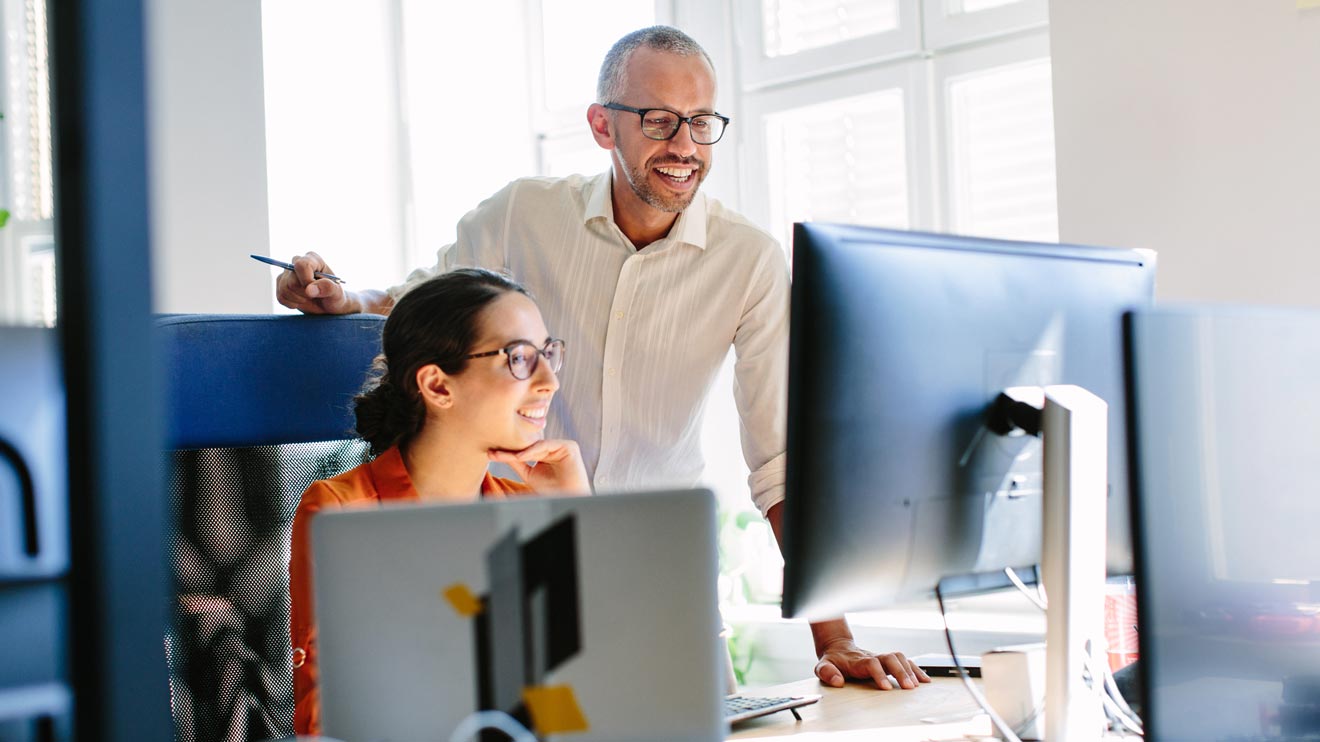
<point x="792" y="26"/>
<point x="1002" y="153"/>
<point x="844" y="161"/>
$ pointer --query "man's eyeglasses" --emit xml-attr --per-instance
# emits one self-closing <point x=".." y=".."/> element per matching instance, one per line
<point x="662" y="124"/>
<point x="524" y="357"/>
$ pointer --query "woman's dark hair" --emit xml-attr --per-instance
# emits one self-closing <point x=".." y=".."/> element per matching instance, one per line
<point x="435" y="322"/>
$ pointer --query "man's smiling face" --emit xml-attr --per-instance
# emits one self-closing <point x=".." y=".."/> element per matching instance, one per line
<point x="663" y="175"/>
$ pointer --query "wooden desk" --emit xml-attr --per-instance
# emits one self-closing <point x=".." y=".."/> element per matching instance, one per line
<point x="939" y="710"/>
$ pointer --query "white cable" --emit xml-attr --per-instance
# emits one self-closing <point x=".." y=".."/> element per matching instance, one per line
<point x="1118" y="707"/>
<point x="1009" y="734"/>
<point x="478" y="720"/>
<point x="1106" y="691"/>
<point x="1022" y="586"/>
<point x="1112" y="685"/>
<point x="1102" y="683"/>
<point x="1027" y="722"/>
<point x="1131" y="724"/>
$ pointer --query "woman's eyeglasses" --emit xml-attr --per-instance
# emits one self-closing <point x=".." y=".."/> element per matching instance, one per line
<point x="524" y="357"/>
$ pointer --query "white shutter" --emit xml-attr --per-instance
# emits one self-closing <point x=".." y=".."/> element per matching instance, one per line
<point x="957" y="7"/>
<point x="792" y="26"/>
<point x="1001" y="134"/>
<point x="40" y="275"/>
<point x="844" y="161"/>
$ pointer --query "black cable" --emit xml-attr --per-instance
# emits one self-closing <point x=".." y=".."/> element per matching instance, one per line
<point x="1004" y="730"/>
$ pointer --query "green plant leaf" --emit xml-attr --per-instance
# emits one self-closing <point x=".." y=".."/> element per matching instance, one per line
<point x="4" y="217"/>
<point x="746" y="518"/>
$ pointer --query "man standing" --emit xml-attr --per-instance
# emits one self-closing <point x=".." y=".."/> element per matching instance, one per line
<point x="649" y="283"/>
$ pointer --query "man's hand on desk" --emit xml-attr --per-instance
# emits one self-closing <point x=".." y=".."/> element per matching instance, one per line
<point x="842" y="659"/>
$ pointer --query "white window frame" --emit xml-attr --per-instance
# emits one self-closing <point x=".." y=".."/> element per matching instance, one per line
<point x="24" y="235"/>
<point x="919" y="58"/>
<point x="550" y="124"/>
<point x="907" y="76"/>
<point x="929" y="50"/>
<point x="545" y="121"/>
<point x="948" y="67"/>
<point x="942" y="31"/>
<point x="760" y="71"/>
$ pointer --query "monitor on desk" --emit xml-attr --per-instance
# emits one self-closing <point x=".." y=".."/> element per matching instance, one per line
<point x="899" y="342"/>
<point x="1225" y="415"/>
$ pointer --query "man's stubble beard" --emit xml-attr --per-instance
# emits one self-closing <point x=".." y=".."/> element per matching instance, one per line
<point x="639" y="181"/>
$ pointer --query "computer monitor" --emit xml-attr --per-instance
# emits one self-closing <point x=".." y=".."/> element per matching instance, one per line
<point x="899" y="342"/>
<point x="1225" y="415"/>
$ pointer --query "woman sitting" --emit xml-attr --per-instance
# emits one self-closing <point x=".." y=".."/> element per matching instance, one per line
<point x="466" y="378"/>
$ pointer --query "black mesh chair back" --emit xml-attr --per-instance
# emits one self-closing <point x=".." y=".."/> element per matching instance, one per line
<point x="259" y="407"/>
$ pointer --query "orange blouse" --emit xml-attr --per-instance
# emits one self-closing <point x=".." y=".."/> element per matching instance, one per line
<point x="383" y="479"/>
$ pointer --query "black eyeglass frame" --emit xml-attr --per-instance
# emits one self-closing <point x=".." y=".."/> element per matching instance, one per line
<point x="540" y="353"/>
<point x="641" y="114"/>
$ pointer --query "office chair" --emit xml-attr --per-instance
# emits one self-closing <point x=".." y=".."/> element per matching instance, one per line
<point x="258" y="407"/>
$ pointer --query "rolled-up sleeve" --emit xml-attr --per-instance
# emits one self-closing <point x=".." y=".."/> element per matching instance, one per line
<point x="760" y="387"/>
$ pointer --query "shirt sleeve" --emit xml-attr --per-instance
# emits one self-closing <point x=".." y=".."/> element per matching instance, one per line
<point x="480" y="242"/>
<point x="760" y="386"/>
<point x="302" y="621"/>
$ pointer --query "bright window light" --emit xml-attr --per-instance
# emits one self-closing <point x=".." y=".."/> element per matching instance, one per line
<point x="468" y="111"/>
<point x="572" y="152"/>
<point x="840" y="161"/>
<point x="959" y="7"/>
<point x="332" y="174"/>
<point x="1001" y="131"/>
<point x="792" y="26"/>
<point x="575" y="37"/>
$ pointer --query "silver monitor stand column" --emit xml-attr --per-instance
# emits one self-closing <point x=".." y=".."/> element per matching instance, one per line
<point x="1075" y="434"/>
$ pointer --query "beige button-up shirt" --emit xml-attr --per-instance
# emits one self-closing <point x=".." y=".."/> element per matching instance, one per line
<point x="646" y="332"/>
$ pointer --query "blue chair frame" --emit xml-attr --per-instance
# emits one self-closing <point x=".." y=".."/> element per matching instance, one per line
<point x="258" y="407"/>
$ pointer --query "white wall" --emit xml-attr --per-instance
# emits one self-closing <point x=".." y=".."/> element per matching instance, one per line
<point x="207" y="147"/>
<point x="1193" y="127"/>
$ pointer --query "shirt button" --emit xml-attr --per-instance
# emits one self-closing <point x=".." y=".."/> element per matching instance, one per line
<point x="618" y="315"/>
<point x="612" y="372"/>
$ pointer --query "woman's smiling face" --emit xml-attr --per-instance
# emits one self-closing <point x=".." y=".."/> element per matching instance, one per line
<point x="496" y="409"/>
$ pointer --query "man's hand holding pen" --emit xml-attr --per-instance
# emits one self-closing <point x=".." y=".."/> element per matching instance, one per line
<point x="311" y="288"/>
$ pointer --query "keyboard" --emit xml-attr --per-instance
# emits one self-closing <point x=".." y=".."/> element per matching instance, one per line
<point x="742" y="708"/>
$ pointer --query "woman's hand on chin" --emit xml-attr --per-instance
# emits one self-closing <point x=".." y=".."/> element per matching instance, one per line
<point x="556" y="467"/>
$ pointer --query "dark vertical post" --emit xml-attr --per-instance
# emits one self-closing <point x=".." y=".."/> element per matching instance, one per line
<point x="118" y="581"/>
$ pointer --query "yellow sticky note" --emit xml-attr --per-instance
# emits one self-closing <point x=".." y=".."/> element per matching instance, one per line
<point x="554" y="709"/>
<point x="1307" y="4"/>
<point x="464" y="602"/>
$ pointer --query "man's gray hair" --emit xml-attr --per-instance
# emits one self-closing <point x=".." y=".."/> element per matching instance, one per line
<point x="613" y="72"/>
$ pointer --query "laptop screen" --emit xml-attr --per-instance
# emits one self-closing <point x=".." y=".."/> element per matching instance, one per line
<point x="586" y="618"/>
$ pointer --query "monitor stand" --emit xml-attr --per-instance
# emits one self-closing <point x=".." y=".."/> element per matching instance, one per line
<point x="1074" y="430"/>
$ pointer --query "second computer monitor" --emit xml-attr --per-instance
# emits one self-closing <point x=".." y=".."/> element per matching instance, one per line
<point x="899" y="342"/>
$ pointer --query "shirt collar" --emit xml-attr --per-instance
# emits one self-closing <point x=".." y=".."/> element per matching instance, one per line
<point x="690" y="227"/>
<point x="391" y="478"/>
